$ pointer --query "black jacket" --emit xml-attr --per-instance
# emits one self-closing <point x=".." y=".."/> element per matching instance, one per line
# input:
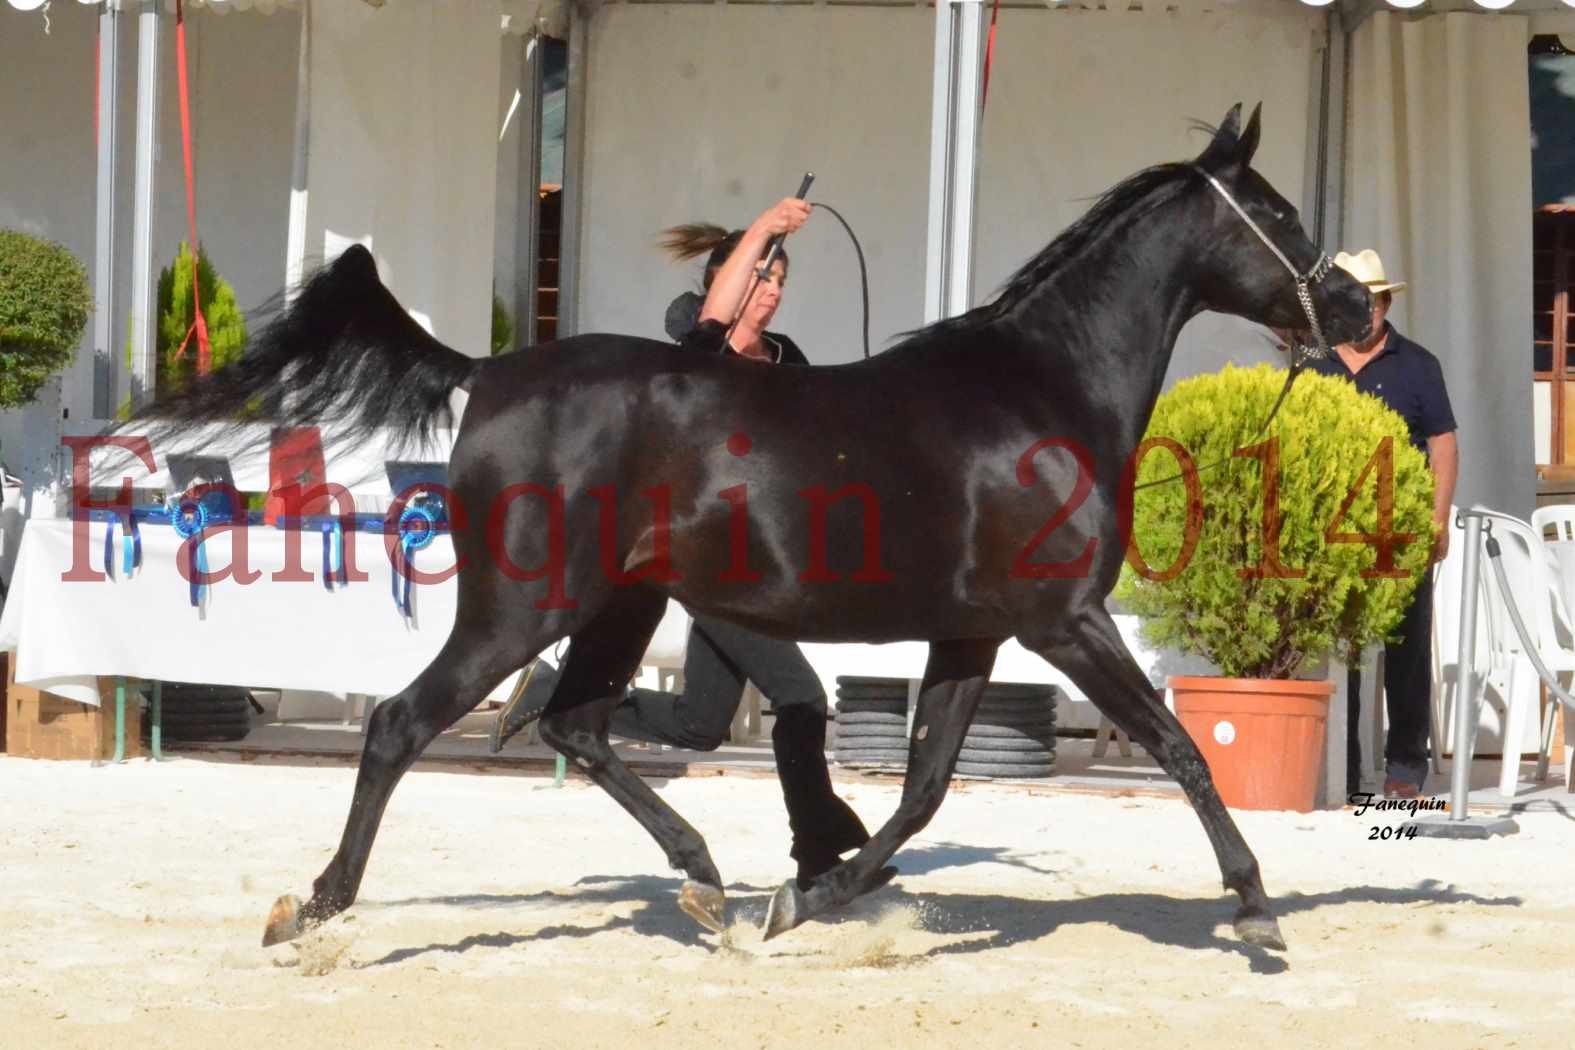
<point x="685" y="327"/>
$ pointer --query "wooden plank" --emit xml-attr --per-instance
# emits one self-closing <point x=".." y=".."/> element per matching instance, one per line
<point x="39" y="724"/>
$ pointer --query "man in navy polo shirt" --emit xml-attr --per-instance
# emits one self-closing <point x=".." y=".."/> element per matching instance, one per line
<point x="1409" y="380"/>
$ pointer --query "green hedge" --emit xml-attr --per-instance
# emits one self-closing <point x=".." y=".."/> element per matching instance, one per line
<point x="1327" y="433"/>
<point x="44" y="304"/>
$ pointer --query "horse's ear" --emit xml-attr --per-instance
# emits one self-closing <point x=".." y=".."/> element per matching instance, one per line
<point x="1226" y="142"/>
<point x="1231" y="125"/>
<point x="1249" y="138"/>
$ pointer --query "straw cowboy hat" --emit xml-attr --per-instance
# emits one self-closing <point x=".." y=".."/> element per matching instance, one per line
<point x="1368" y="268"/>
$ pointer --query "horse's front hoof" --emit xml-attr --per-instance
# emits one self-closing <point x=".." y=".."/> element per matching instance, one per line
<point x="789" y="908"/>
<point x="1259" y="929"/>
<point x="704" y="904"/>
<point x="284" y="921"/>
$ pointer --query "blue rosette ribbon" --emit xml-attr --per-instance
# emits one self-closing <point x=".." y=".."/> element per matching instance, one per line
<point x="130" y="543"/>
<point x="417" y="529"/>
<point x="334" y="554"/>
<point x="189" y="520"/>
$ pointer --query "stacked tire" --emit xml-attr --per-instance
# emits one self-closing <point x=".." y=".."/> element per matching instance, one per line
<point x="200" y="713"/>
<point x="1012" y="735"/>
<point x="872" y="723"/>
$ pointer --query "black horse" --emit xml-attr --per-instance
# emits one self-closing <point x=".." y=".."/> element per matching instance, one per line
<point x="962" y="488"/>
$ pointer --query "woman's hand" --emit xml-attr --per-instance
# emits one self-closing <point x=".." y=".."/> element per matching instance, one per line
<point x="732" y="280"/>
<point x="785" y="216"/>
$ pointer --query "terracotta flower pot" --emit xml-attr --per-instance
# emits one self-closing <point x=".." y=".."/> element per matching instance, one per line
<point x="1263" y="738"/>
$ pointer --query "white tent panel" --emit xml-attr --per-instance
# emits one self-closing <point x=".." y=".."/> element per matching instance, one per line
<point x="1438" y="180"/>
<point x="1077" y="101"/>
<point x="708" y="114"/>
<point x="397" y="94"/>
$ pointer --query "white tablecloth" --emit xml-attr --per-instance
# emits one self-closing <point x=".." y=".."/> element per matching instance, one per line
<point x="299" y="635"/>
<point x="267" y="634"/>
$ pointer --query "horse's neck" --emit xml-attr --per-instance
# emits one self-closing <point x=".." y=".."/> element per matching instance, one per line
<point x="1115" y="311"/>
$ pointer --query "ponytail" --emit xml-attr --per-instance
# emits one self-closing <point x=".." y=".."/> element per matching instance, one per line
<point x="692" y="239"/>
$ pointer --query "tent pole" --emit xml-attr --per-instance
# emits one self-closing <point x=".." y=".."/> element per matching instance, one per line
<point x="144" y="350"/>
<point x="954" y="157"/>
<point x="108" y="111"/>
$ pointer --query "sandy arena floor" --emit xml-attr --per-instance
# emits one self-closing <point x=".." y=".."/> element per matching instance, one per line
<point x="498" y="912"/>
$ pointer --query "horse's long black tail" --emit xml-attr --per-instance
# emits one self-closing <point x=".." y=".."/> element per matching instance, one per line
<point x="344" y="354"/>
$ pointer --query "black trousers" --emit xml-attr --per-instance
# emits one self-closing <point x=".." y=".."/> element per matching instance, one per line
<point x="720" y="658"/>
<point x="1408" y="694"/>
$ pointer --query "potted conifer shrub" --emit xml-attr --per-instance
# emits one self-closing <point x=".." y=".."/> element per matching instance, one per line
<point x="1267" y="552"/>
<point x="225" y="323"/>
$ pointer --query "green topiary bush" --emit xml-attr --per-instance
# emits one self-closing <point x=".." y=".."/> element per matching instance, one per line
<point x="1329" y="437"/>
<point x="44" y="304"/>
<point x="226" y="325"/>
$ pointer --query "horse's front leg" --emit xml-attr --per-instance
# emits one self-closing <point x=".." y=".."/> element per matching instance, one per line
<point x="954" y="681"/>
<point x="1092" y="654"/>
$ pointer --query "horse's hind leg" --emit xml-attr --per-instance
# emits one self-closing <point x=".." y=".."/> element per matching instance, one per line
<point x="601" y="659"/>
<point x="398" y="730"/>
<point x="1092" y="654"/>
<point x="954" y="680"/>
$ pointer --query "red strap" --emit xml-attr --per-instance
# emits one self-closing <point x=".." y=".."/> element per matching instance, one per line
<point x="989" y="53"/>
<point x="198" y="326"/>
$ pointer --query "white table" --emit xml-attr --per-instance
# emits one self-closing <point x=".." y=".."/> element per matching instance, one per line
<point x="266" y="634"/>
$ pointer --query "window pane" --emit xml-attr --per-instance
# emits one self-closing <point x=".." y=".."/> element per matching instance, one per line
<point x="1542" y="357"/>
<point x="1543" y="325"/>
<point x="1542" y="266"/>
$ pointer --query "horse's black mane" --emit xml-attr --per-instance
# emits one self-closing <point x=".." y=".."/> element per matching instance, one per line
<point x="1132" y="198"/>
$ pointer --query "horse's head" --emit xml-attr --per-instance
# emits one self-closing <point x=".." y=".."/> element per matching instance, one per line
<point x="1256" y="273"/>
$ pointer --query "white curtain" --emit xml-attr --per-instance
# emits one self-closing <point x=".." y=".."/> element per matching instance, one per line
<point x="1438" y="180"/>
<point x="402" y="147"/>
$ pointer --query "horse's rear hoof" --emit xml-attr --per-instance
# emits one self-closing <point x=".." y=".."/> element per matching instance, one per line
<point x="284" y="921"/>
<point x="704" y="904"/>
<point x="880" y="878"/>
<point x="1260" y="930"/>
<point x="788" y="909"/>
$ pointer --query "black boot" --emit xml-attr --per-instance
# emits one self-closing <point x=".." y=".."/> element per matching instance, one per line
<point x="525" y="706"/>
<point x="824" y="826"/>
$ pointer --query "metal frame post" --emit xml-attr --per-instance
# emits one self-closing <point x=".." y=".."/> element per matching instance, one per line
<point x="104" y="236"/>
<point x="144" y="349"/>
<point x="1331" y="208"/>
<point x="295" y="240"/>
<point x="954" y="157"/>
<point x="581" y="13"/>
<point x="1459" y="823"/>
<point x="527" y="220"/>
<point x="156" y="733"/>
<point x="1465" y="673"/>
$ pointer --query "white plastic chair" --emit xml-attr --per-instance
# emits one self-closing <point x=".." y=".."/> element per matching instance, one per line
<point x="665" y="653"/>
<point x="1555" y="527"/>
<point x="1532" y="571"/>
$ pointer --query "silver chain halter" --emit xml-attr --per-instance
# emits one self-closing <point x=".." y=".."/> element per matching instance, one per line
<point x="1300" y="352"/>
